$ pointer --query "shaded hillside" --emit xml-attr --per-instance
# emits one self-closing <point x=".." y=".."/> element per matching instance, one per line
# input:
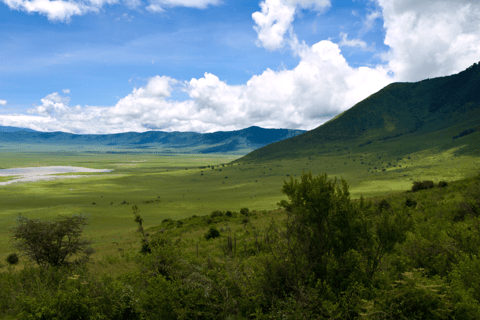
<point x="448" y="105"/>
<point x="232" y="141"/>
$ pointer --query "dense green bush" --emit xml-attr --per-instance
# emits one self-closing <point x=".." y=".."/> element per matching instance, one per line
<point x="417" y="185"/>
<point x="212" y="233"/>
<point x="383" y="205"/>
<point x="12" y="259"/>
<point x="442" y="184"/>
<point x="244" y="211"/>
<point x="409" y="202"/>
<point x="216" y="213"/>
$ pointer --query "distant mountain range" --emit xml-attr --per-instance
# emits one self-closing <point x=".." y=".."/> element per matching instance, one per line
<point x="235" y="142"/>
<point x="433" y="113"/>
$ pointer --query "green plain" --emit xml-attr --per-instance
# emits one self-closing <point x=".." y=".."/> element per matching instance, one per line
<point x="179" y="186"/>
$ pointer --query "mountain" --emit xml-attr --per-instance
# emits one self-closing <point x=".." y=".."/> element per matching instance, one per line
<point x="443" y="110"/>
<point x="14" y="129"/>
<point x="240" y="141"/>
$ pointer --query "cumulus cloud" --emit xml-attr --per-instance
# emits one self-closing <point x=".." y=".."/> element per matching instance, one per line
<point x="276" y="18"/>
<point x="59" y="10"/>
<point x="3" y="102"/>
<point x="322" y="83"/>
<point x="430" y="38"/>
<point x="66" y="91"/>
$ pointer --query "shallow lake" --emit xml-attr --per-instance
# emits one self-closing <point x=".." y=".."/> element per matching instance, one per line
<point x="43" y="173"/>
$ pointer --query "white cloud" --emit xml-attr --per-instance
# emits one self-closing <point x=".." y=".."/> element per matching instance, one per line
<point x="66" y="91"/>
<point x="159" y="5"/>
<point x="60" y="10"/>
<point x="3" y="102"/>
<point x="321" y="83"/>
<point x="430" y="38"/>
<point x="370" y="20"/>
<point x="351" y="43"/>
<point x="52" y="104"/>
<point x="276" y="18"/>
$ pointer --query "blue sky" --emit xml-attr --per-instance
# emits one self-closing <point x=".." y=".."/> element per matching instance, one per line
<point x="106" y="66"/>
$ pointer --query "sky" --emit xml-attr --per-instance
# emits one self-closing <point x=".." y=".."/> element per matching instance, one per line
<point x="110" y="66"/>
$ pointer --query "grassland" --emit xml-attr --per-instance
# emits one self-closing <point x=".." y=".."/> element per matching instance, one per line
<point x="179" y="186"/>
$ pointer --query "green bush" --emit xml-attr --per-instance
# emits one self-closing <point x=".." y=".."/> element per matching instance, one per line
<point x="417" y="185"/>
<point x="212" y="233"/>
<point x="442" y="184"/>
<point x="82" y="299"/>
<point x="383" y="205"/>
<point x="12" y="259"/>
<point x="244" y="211"/>
<point x="410" y="202"/>
<point x="216" y="213"/>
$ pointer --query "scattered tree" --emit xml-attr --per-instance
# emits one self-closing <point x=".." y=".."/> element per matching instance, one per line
<point x="52" y="243"/>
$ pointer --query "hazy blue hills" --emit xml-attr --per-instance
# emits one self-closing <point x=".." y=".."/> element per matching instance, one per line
<point x="14" y="129"/>
<point x="433" y="111"/>
<point x="239" y="141"/>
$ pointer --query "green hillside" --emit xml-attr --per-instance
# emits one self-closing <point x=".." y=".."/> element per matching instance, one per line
<point x="447" y="108"/>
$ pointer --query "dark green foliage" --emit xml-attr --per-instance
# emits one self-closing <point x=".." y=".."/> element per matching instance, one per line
<point x="442" y="184"/>
<point x="12" y="259"/>
<point x="228" y="213"/>
<point x="244" y="211"/>
<point x="52" y="243"/>
<point x="334" y="234"/>
<point x="409" y="202"/>
<point x="212" y="233"/>
<point x="383" y="205"/>
<point x="216" y="213"/>
<point x="417" y="185"/>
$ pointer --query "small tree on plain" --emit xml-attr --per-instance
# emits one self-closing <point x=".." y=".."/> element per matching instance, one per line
<point x="52" y="243"/>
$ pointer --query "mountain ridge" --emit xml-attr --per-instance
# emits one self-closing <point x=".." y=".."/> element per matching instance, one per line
<point x="237" y="141"/>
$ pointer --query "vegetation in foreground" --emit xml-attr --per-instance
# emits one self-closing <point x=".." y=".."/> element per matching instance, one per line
<point x="411" y="255"/>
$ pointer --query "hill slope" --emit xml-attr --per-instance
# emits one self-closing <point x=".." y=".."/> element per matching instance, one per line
<point x="447" y="106"/>
<point x="240" y="141"/>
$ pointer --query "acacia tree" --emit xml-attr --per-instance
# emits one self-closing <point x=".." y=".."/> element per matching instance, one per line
<point x="52" y="243"/>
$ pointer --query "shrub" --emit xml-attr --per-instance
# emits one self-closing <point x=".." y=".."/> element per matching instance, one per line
<point x="12" y="259"/>
<point x="442" y="184"/>
<point x="410" y="203"/>
<point x="244" y="211"/>
<point x="228" y="213"/>
<point x="212" y="233"/>
<point x="216" y="213"/>
<point x="383" y="205"/>
<point x="417" y="185"/>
